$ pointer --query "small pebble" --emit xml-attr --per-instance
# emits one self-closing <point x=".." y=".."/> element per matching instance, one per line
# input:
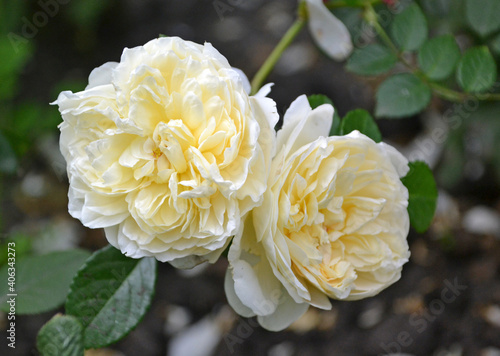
<point x="453" y="350"/>
<point x="199" y="339"/>
<point x="297" y="57"/>
<point x="33" y="185"/>
<point x="58" y="234"/>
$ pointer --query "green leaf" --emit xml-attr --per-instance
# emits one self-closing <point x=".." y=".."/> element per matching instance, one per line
<point x="41" y="282"/>
<point x="316" y="100"/>
<point x="439" y="56"/>
<point x="61" y="336"/>
<point x="422" y="195"/>
<point x="482" y="15"/>
<point x="401" y="95"/>
<point x="373" y="59"/>
<point x="476" y="70"/>
<point x="362" y="121"/>
<point x="110" y="295"/>
<point x="409" y="28"/>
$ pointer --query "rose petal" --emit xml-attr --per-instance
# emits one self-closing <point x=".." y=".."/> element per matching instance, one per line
<point x="329" y="33"/>
<point x="101" y="75"/>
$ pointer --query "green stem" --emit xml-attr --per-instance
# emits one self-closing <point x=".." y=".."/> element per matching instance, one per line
<point x="275" y="55"/>
<point x="440" y="90"/>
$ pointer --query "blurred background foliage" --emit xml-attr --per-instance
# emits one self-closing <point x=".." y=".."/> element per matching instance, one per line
<point x="58" y="53"/>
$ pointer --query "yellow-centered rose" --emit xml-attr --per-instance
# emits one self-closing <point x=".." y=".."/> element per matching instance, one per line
<point x="166" y="151"/>
<point x="333" y="223"/>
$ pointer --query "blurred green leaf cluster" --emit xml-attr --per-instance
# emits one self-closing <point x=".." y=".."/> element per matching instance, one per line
<point x="427" y="62"/>
<point x="14" y="59"/>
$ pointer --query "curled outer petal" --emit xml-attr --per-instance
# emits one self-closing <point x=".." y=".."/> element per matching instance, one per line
<point x="333" y="222"/>
<point x="329" y="33"/>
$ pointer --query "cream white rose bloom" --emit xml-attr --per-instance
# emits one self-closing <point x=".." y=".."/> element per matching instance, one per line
<point x="166" y="151"/>
<point x="333" y="223"/>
